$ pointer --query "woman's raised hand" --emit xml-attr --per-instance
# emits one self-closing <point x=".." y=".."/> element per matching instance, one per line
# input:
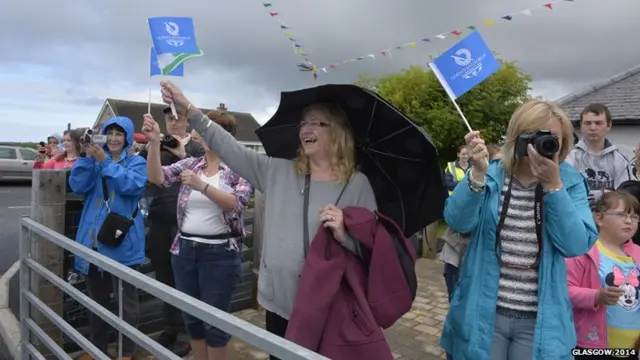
<point x="172" y="93"/>
<point x="150" y="129"/>
<point x="478" y="152"/>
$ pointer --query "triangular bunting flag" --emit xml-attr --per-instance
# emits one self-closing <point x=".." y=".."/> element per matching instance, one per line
<point x="266" y="4"/>
<point x="471" y="27"/>
<point x="507" y="17"/>
<point x="456" y="33"/>
<point x="526" y="12"/>
<point x="441" y="36"/>
<point x="425" y="39"/>
<point x="412" y="44"/>
<point x="548" y="5"/>
<point x="489" y="22"/>
<point x="273" y="13"/>
<point x="284" y="27"/>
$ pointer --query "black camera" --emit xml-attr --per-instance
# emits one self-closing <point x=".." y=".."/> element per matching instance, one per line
<point x="545" y="143"/>
<point x="169" y="141"/>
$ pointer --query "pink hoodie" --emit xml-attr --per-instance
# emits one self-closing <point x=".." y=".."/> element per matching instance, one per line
<point x="590" y="318"/>
<point x="56" y="162"/>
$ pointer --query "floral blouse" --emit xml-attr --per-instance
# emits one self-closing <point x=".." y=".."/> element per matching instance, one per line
<point x="233" y="218"/>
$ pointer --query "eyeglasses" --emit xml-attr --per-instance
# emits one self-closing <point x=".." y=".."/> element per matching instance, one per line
<point x="624" y="216"/>
<point x="313" y="124"/>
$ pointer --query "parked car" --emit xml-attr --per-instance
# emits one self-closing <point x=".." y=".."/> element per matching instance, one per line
<point x="16" y="163"/>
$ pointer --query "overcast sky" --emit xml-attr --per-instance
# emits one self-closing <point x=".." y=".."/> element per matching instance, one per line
<point x="63" y="58"/>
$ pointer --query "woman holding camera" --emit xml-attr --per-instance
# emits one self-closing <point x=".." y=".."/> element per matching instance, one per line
<point x="112" y="182"/>
<point x="526" y="214"/>
<point x="66" y="158"/>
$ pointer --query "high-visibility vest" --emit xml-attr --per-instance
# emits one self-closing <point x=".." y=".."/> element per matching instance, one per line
<point x="456" y="172"/>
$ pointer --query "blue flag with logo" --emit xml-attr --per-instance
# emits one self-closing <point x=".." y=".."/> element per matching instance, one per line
<point x="174" y="40"/>
<point x="465" y="65"/>
<point x="154" y="68"/>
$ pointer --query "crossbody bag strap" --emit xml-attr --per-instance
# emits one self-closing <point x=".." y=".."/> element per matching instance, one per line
<point x="105" y="196"/>
<point x="305" y="210"/>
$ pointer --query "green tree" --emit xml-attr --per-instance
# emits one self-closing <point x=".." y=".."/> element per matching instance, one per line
<point x="488" y="107"/>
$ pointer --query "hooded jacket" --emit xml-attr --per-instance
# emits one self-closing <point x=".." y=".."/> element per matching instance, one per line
<point x="126" y="181"/>
<point x="584" y="282"/>
<point x="604" y="170"/>
<point x="344" y="302"/>
<point x="568" y="231"/>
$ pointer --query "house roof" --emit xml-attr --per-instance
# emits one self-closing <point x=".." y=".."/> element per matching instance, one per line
<point x="620" y="93"/>
<point x="246" y="124"/>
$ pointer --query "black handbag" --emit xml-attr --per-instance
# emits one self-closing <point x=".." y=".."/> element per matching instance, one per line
<point x="115" y="226"/>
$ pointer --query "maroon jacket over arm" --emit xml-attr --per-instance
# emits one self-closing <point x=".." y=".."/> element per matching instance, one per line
<point x="342" y="302"/>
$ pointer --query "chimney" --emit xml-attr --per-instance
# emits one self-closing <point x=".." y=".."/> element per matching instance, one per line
<point x="222" y="107"/>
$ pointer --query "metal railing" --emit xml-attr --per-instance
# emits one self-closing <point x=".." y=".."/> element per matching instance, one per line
<point x="239" y="328"/>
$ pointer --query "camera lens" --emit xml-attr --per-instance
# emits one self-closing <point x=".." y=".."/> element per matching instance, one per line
<point x="548" y="146"/>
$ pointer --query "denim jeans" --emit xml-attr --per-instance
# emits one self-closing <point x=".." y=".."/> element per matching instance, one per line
<point x="512" y="338"/>
<point x="208" y="273"/>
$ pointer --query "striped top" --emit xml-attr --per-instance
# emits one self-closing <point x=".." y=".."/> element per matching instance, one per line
<point x="518" y="288"/>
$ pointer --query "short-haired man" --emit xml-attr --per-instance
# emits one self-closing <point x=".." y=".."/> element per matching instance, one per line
<point x="163" y="226"/>
<point x="604" y="167"/>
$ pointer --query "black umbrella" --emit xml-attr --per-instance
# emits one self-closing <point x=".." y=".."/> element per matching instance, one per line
<point x="396" y="154"/>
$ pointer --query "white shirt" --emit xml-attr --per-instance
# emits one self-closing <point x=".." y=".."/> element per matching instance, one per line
<point x="204" y="217"/>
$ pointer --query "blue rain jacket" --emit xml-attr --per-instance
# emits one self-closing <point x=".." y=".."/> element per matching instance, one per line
<point x="126" y="181"/>
<point x="569" y="231"/>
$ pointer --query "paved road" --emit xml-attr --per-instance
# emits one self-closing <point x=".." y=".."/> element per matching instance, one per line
<point x="15" y="201"/>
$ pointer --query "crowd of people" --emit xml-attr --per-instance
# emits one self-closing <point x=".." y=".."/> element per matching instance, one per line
<point x="539" y="255"/>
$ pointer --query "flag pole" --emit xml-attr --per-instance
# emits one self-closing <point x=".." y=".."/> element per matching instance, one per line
<point x="464" y="118"/>
<point x="149" y="94"/>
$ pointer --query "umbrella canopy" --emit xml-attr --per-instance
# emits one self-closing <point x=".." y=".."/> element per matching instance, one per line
<point x="396" y="154"/>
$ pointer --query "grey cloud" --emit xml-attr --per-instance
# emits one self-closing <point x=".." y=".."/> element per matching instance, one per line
<point x="97" y="42"/>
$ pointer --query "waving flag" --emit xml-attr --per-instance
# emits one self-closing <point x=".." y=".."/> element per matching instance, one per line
<point x="174" y="40"/>
<point x="465" y="65"/>
<point x="154" y="68"/>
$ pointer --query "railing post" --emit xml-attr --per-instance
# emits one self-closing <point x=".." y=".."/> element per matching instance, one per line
<point x="120" y="315"/>
<point x="25" y="276"/>
<point x="257" y="232"/>
<point x="48" y="193"/>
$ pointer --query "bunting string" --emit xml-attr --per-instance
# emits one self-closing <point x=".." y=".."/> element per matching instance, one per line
<point x="298" y="49"/>
<point x="388" y="52"/>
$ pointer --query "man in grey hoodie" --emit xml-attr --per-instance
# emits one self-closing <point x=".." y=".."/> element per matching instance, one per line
<point x="604" y="167"/>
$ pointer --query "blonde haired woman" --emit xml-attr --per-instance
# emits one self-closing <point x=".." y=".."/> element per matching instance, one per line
<point x="511" y="302"/>
<point x="324" y="168"/>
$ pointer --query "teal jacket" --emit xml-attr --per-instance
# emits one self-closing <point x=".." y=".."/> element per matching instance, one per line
<point x="569" y="231"/>
<point x="126" y="182"/>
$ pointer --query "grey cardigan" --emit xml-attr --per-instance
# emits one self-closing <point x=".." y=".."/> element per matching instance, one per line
<point x="282" y="241"/>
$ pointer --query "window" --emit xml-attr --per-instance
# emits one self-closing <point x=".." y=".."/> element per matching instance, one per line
<point x="8" y="153"/>
<point x="28" y="155"/>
